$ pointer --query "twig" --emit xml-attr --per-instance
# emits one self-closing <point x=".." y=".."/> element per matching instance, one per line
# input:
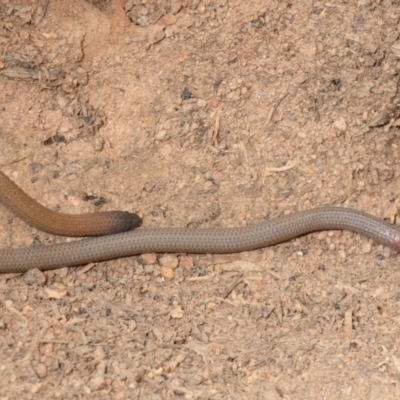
<point x="275" y="107"/>
<point x="45" y="7"/>
<point x="234" y="284"/>
<point x="282" y="169"/>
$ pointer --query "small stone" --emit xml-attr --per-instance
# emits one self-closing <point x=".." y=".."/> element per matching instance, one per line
<point x="96" y="383"/>
<point x="132" y="325"/>
<point x="208" y="186"/>
<point x="186" y="262"/>
<point x="177" y="312"/>
<point x="48" y="349"/>
<point x="61" y="102"/>
<point x="55" y="364"/>
<point x="366" y="248"/>
<point x="149" y="258"/>
<point x="137" y="13"/>
<point x="217" y="176"/>
<point x="186" y="128"/>
<point x="340" y="124"/>
<point x="139" y="270"/>
<point x="108" y="381"/>
<point x="41" y="371"/>
<point x="201" y="103"/>
<point x="98" y="143"/>
<point x="232" y="96"/>
<point x="160" y="135"/>
<point x="169" y="19"/>
<point x="176" y="7"/>
<point x="233" y="85"/>
<point x="149" y="269"/>
<point x="387" y="252"/>
<point x="211" y="306"/>
<point x="342" y="254"/>
<point x="298" y="307"/>
<point x="129" y="5"/>
<point x="56" y="291"/>
<point x="27" y="310"/>
<point x="167" y="124"/>
<point x="187" y="107"/>
<point x="34" y="277"/>
<point x="36" y="387"/>
<point x="156" y="35"/>
<point x="167" y="273"/>
<point x="214" y="103"/>
<point x="35" y="168"/>
<point x="194" y="126"/>
<point x="169" y="261"/>
<point x="309" y="50"/>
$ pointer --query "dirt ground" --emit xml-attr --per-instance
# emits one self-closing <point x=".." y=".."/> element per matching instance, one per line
<point x="203" y="113"/>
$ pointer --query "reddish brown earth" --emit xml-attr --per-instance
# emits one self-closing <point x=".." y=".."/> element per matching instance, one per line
<point x="207" y="113"/>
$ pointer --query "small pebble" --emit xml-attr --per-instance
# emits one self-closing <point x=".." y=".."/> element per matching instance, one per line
<point x="108" y="381"/>
<point x="298" y="307"/>
<point x="167" y="273"/>
<point x="96" y="383"/>
<point x="169" y="261"/>
<point x="34" y="277"/>
<point x="167" y="124"/>
<point x="201" y="103"/>
<point x="149" y="269"/>
<point x="41" y="371"/>
<point x="366" y="248"/>
<point x="149" y="258"/>
<point x="387" y="252"/>
<point x="233" y="85"/>
<point x="186" y="262"/>
<point x="176" y="7"/>
<point x="47" y="349"/>
<point x="217" y="176"/>
<point x="132" y="325"/>
<point x="98" y="143"/>
<point x="340" y="124"/>
<point x="214" y="103"/>
<point x="160" y="135"/>
<point x="208" y="186"/>
<point x="169" y="19"/>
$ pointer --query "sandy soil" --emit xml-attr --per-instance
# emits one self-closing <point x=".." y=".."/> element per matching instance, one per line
<point x="203" y="113"/>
